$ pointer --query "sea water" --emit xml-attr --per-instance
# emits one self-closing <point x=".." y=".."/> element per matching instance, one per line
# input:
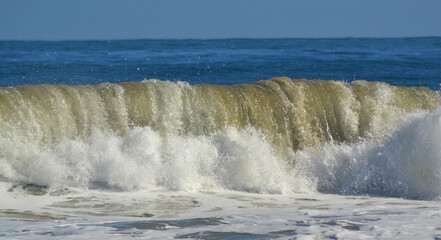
<point x="221" y="139"/>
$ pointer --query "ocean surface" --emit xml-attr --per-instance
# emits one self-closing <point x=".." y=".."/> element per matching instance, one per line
<point x="221" y="139"/>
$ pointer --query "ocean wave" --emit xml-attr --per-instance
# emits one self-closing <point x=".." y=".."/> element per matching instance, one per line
<point x="274" y="136"/>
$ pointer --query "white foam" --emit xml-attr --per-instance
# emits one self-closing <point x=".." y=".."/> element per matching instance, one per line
<point x="408" y="164"/>
<point x="170" y="177"/>
<point x="144" y="160"/>
<point x="118" y="215"/>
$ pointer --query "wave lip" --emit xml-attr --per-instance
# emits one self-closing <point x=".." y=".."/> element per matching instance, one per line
<point x="292" y="113"/>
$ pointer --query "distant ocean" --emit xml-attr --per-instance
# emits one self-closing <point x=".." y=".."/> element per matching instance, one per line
<point x="398" y="61"/>
<point x="221" y="139"/>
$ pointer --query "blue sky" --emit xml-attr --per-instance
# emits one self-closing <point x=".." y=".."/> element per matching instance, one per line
<point x="170" y="19"/>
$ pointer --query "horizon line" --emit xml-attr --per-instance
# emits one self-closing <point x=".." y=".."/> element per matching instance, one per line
<point x="209" y="39"/>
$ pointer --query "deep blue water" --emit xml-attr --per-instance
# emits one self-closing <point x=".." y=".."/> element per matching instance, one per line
<point x="399" y="61"/>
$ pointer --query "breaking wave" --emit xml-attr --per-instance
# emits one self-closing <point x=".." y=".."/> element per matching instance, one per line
<point x="273" y="136"/>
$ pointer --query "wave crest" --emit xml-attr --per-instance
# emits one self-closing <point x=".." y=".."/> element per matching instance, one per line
<point x="274" y="136"/>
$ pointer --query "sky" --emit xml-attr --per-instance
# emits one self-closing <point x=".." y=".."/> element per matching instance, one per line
<point x="204" y="19"/>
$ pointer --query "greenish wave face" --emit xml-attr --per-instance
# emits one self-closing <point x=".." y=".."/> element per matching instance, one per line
<point x="292" y="114"/>
<point x="273" y="136"/>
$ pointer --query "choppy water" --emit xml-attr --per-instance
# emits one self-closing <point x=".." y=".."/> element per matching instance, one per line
<point x="92" y="149"/>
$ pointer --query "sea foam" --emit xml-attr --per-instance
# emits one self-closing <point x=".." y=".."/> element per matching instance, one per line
<point x="276" y="136"/>
<point x="407" y="164"/>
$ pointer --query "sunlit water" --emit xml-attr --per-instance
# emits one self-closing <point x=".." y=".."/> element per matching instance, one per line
<point x="280" y="158"/>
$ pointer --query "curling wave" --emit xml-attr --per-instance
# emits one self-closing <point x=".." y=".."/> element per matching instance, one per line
<point x="275" y="136"/>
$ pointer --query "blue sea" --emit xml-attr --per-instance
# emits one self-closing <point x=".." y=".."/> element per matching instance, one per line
<point x="398" y="61"/>
<point x="221" y="139"/>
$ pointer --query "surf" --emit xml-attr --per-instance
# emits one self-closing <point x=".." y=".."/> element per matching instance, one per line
<point x="273" y="136"/>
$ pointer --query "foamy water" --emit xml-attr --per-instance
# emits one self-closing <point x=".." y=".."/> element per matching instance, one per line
<point x="276" y="159"/>
<point x="404" y="165"/>
<point x="79" y="214"/>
